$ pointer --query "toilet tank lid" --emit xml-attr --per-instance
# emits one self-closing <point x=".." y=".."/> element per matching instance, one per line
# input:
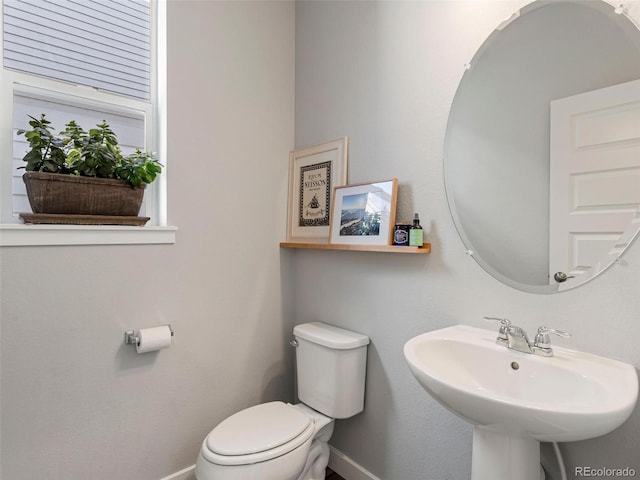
<point x="330" y="336"/>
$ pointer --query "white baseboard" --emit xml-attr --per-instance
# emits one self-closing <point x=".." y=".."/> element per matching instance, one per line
<point x="347" y="468"/>
<point x="186" y="474"/>
<point x="338" y="462"/>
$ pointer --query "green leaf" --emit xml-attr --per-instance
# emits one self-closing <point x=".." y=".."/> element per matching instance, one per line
<point x="50" y="166"/>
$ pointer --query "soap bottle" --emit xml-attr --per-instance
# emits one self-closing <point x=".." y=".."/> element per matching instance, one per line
<point x="416" y="238"/>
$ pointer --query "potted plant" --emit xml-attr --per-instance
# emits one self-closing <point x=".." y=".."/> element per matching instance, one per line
<point x="83" y="177"/>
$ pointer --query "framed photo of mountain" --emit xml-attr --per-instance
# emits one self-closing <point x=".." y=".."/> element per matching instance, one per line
<point x="314" y="172"/>
<point x="364" y="214"/>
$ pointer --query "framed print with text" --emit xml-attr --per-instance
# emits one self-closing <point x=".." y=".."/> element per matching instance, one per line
<point x="364" y="214"/>
<point x="314" y="172"/>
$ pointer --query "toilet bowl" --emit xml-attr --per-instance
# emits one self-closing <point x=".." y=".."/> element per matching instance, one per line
<point x="270" y="441"/>
<point x="280" y="441"/>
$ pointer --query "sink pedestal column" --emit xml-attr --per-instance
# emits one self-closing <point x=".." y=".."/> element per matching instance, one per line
<point x="500" y="456"/>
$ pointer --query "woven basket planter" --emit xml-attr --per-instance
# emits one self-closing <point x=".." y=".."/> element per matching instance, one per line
<point x="54" y="193"/>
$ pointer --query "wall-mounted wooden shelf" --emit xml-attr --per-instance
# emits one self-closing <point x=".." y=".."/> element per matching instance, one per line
<point x="426" y="248"/>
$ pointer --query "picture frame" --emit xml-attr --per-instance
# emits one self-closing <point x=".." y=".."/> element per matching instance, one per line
<point x="314" y="172"/>
<point x="364" y="214"/>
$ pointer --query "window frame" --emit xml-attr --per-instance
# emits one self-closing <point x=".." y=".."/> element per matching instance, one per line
<point x="14" y="233"/>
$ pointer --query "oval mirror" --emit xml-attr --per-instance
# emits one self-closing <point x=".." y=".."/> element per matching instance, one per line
<point x="542" y="151"/>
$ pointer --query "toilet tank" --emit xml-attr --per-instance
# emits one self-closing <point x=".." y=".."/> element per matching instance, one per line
<point x="331" y="368"/>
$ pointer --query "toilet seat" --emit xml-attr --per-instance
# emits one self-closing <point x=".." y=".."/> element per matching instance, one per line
<point x="258" y="434"/>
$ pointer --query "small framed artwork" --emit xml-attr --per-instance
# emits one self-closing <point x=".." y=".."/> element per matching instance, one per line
<point x="364" y="214"/>
<point x="313" y="174"/>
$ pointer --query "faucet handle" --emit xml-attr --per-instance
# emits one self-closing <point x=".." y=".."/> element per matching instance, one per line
<point x="505" y="323"/>
<point x="542" y="337"/>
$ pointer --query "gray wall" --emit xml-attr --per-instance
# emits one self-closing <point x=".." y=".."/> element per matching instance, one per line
<point x="385" y="74"/>
<point x="76" y="402"/>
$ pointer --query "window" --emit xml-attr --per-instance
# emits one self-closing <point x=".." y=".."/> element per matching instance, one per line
<point x="105" y="44"/>
<point x="86" y="60"/>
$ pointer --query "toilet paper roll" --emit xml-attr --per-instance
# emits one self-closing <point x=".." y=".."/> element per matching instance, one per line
<point x="152" y="339"/>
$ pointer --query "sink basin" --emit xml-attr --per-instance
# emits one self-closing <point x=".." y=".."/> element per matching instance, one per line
<point x="515" y="397"/>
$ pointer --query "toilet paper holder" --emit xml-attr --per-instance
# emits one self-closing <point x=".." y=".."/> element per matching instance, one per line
<point x="130" y="337"/>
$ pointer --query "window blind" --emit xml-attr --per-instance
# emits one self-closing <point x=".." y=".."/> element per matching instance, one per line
<point x="103" y="44"/>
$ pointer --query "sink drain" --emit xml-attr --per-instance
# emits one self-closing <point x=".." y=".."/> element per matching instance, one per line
<point x="515" y="365"/>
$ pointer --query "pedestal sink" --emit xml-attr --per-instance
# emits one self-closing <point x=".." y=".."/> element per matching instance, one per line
<point x="515" y="400"/>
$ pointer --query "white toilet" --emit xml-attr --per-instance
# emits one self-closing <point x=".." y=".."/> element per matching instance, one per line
<point x="279" y="441"/>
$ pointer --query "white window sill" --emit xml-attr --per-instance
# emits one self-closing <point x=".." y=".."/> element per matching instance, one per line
<point x="39" y="235"/>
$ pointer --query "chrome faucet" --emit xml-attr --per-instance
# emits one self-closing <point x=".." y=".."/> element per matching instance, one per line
<point x="516" y="338"/>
